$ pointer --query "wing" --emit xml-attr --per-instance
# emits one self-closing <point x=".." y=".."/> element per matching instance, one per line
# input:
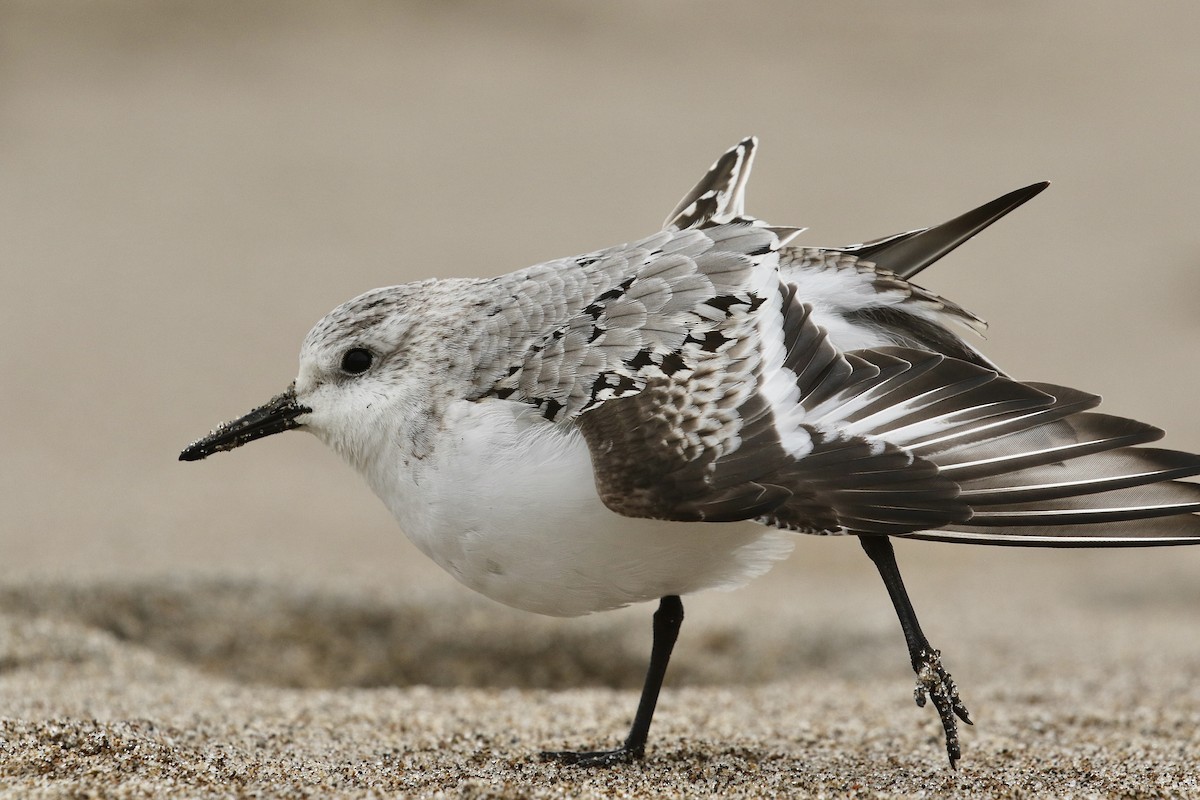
<point x="708" y="391"/>
<point x="664" y="369"/>
<point x="892" y="441"/>
<point x="730" y="438"/>
<point x="670" y="302"/>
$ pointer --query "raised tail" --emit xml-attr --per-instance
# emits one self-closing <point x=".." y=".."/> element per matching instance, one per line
<point x="906" y="254"/>
<point x="720" y="196"/>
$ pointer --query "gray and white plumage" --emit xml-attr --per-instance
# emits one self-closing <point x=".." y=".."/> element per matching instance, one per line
<point x="660" y="417"/>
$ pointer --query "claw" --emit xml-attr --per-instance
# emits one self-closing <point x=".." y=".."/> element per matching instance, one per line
<point x="933" y="681"/>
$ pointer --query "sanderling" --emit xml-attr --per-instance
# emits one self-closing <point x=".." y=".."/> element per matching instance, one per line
<point x="564" y="439"/>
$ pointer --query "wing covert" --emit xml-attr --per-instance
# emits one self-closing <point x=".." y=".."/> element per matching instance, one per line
<point x="654" y="307"/>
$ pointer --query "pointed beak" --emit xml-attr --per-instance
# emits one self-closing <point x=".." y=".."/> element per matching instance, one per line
<point x="276" y="416"/>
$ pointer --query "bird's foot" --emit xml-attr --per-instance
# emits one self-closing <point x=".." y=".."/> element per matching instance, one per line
<point x="595" y="758"/>
<point x="933" y="681"/>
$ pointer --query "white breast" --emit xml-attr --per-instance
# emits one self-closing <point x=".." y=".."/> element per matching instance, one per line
<point x="507" y="505"/>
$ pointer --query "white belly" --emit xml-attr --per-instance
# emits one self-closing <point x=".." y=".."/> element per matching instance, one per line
<point x="507" y="505"/>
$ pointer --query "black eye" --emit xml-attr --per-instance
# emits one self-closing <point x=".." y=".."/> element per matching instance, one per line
<point x="356" y="361"/>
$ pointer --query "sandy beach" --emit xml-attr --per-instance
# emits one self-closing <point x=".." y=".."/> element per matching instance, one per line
<point x="1083" y="684"/>
<point x="186" y="187"/>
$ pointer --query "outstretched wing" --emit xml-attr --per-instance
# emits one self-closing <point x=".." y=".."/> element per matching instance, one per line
<point x="890" y="441"/>
<point x="708" y="388"/>
<point x="788" y="433"/>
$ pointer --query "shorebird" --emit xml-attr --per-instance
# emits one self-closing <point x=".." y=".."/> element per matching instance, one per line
<point x="662" y="417"/>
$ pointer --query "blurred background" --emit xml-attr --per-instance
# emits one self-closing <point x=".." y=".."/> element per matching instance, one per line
<point x="185" y="187"/>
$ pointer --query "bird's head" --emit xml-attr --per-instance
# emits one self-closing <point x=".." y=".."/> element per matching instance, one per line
<point x="355" y="369"/>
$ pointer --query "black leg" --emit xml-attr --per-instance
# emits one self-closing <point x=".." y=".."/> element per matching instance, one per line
<point x="667" y="620"/>
<point x="926" y="662"/>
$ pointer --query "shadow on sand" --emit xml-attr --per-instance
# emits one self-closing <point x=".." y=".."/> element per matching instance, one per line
<point x="266" y="634"/>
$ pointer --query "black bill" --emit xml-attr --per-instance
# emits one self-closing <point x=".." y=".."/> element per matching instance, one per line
<point x="277" y="415"/>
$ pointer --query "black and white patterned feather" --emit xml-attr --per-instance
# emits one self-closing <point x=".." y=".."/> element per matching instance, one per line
<point x="706" y="368"/>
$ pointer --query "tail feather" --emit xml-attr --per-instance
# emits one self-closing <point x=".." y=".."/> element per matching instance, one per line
<point x="720" y="196"/>
<point x="906" y="254"/>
